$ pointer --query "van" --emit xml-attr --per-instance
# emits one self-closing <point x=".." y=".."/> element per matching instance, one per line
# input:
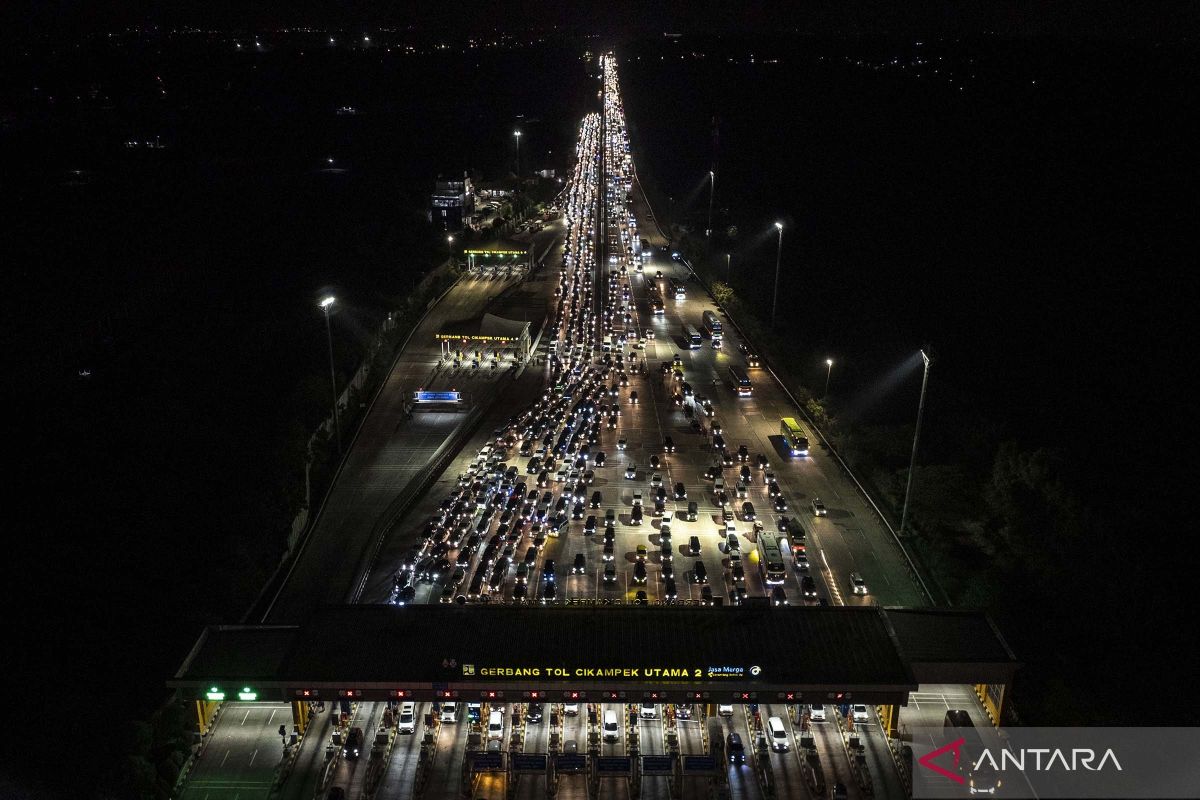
<point x="718" y="484"/>
<point x="778" y="735"/>
<point x="733" y="746"/>
<point x="408" y="718"/>
<point x="496" y="725"/>
<point x="612" y="730"/>
<point x="450" y="712"/>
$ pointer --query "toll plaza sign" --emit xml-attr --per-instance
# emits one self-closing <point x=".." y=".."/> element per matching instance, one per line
<point x="629" y="673"/>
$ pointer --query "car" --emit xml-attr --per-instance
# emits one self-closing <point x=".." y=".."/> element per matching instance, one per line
<point x="641" y="552"/>
<point x="633" y="398"/>
<point x="669" y="592"/>
<point x="732" y="544"/>
<point x="621" y="444"/>
<point x="639" y="572"/>
<point x="640" y="598"/>
<point x="693" y="546"/>
<point x="743" y="453"/>
<point x="740" y="490"/>
<point x="579" y="566"/>
<point x="549" y="592"/>
<point x="816" y="712"/>
<point x="548" y="574"/>
<point x="635" y="516"/>
<point x="408" y="718"/>
<point x="600" y="458"/>
<point x="808" y="587"/>
<point x="859" y="713"/>
<point x="654" y="462"/>
<point x="577" y="511"/>
<point x="818" y="508"/>
<point x="857" y="585"/>
<point x="631" y="472"/>
<point x="534" y="712"/>
<point x="778" y="596"/>
<point x="773" y="490"/>
<point x="354" y="744"/>
<point x="724" y="709"/>
<point x="610" y="572"/>
<point x="571" y="709"/>
<point x="748" y="511"/>
<point x="746" y="476"/>
<point x="699" y="573"/>
<point x="664" y="549"/>
<point x="667" y="570"/>
<point x="649" y="711"/>
<point x="760" y="461"/>
<point x="668" y="445"/>
<point x="655" y="481"/>
<point x="780" y="503"/>
<point x="706" y="596"/>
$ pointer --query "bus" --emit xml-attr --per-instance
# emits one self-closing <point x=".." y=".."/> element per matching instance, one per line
<point x="712" y="324"/>
<point x="692" y="337"/>
<point x="741" y="382"/>
<point x="678" y="289"/>
<point x="794" y="437"/>
<point x="770" y="559"/>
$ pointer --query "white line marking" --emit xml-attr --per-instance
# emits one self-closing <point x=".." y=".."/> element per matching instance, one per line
<point x="253" y="755"/>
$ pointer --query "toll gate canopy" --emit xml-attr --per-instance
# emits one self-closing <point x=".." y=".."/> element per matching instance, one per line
<point x="670" y="653"/>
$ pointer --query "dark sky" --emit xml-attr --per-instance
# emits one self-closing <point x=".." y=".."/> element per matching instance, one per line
<point x="627" y="17"/>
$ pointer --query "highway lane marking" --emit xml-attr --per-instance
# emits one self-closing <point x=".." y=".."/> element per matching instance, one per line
<point x="243" y="722"/>
<point x="253" y="756"/>
<point x="223" y="760"/>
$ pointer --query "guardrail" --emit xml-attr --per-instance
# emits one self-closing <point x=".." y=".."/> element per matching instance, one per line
<point x="827" y="444"/>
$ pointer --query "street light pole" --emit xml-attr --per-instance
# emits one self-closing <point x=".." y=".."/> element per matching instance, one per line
<point x="450" y="246"/>
<point x="828" y="371"/>
<point x="517" y="134"/>
<point x="712" y="188"/>
<point x="326" y="304"/>
<point x="728" y="269"/>
<point x="778" y="257"/>
<point x="912" y="464"/>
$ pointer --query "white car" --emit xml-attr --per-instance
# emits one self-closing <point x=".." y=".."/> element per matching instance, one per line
<point x="725" y="710"/>
<point x="655" y="481"/>
<point x="857" y="584"/>
<point x="816" y="713"/>
<point x="631" y="472"/>
<point x="818" y="508"/>
<point x="571" y="709"/>
<point x="859" y="713"/>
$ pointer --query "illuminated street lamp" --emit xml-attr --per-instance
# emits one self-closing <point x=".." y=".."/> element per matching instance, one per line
<point x="517" y="134"/>
<point x="450" y="246"/>
<point x="712" y="187"/>
<point x="778" y="257"/>
<point x="325" y="304"/>
<point x="728" y="268"/>
<point x="828" y="371"/>
<point x="912" y="464"/>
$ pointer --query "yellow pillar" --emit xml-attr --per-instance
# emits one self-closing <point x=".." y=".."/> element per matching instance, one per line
<point x="992" y="701"/>
<point x="889" y="717"/>
<point x="300" y="714"/>
<point x="205" y="710"/>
